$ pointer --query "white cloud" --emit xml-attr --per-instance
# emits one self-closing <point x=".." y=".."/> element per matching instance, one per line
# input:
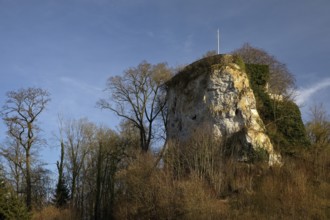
<point x="305" y="94"/>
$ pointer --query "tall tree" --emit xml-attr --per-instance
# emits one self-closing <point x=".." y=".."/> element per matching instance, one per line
<point x="77" y="137"/>
<point x="20" y="113"/>
<point x="109" y="151"/>
<point x="281" y="79"/>
<point x="41" y="185"/>
<point x="135" y="96"/>
<point x="13" y="153"/>
<point x="92" y="157"/>
<point x="61" y="195"/>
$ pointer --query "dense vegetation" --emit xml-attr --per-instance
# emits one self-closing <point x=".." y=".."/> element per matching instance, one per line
<point x="281" y="117"/>
<point x="107" y="174"/>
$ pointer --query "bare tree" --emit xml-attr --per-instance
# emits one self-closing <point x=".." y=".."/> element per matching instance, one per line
<point x="318" y="129"/>
<point x="76" y="138"/>
<point x="41" y="185"/>
<point x="14" y="155"/>
<point x="20" y="113"/>
<point x="281" y="80"/>
<point x="109" y="152"/>
<point x="135" y="96"/>
<point x="92" y="157"/>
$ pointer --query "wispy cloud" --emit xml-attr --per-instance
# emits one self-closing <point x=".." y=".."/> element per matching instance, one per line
<point x="80" y="85"/>
<point x="304" y="94"/>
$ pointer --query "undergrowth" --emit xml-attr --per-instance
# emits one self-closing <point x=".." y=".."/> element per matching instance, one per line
<point x="193" y="183"/>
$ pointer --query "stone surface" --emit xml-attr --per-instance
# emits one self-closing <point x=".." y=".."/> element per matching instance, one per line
<point x="219" y="101"/>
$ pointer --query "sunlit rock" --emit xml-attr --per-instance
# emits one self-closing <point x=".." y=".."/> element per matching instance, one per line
<point x="214" y="96"/>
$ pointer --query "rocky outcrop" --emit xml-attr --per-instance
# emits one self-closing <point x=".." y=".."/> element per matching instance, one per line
<point x="213" y="95"/>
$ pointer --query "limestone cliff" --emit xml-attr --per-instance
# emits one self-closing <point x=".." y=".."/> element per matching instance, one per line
<point x="213" y="95"/>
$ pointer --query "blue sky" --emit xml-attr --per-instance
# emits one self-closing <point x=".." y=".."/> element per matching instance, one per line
<point x="71" y="47"/>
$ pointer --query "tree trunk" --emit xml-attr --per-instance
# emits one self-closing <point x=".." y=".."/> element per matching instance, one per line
<point x="98" y="184"/>
<point x="143" y="141"/>
<point x="73" y="188"/>
<point x="28" y="182"/>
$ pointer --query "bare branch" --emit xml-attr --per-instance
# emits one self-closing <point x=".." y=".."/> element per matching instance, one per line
<point x="135" y="97"/>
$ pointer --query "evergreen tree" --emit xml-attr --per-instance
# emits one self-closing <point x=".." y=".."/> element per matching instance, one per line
<point x="61" y="196"/>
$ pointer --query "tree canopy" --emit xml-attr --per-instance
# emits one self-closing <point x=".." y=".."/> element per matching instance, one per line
<point x="281" y="80"/>
<point x="138" y="97"/>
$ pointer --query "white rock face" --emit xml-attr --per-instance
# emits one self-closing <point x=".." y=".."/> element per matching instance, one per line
<point x="219" y="102"/>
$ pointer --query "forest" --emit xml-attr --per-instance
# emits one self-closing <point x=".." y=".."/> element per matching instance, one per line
<point x="133" y="172"/>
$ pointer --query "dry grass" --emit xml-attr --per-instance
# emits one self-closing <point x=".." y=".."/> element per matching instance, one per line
<point x="53" y="213"/>
<point x="289" y="192"/>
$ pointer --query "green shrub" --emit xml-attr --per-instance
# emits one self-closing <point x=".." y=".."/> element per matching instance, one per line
<point x="239" y="61"/>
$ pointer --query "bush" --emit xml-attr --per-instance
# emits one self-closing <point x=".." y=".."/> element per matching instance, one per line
<point x="289" y="192"/>
<point x="148" y="193"/>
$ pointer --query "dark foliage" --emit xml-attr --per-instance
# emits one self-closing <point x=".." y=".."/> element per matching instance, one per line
<point x="11" y="206"/>
<point x="61" y="196"/>
<point x="282" y="118"/>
